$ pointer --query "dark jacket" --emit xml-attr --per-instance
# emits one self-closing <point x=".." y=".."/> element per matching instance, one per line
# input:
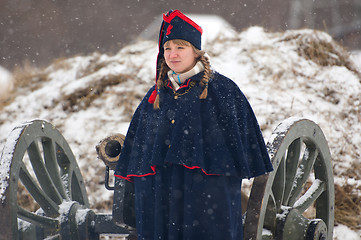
<point x="219" y="134"/>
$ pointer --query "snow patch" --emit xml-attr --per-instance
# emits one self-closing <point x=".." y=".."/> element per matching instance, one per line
<point x="342" y="232"/>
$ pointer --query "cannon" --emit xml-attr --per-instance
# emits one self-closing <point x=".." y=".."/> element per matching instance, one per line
<point x="295" y="201"/>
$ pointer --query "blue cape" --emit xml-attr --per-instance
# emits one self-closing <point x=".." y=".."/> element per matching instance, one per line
<point x="219" y="134"/>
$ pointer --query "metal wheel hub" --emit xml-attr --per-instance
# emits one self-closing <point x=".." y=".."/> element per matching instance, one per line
<point x="317" y="230"/>
<point x="291" y="224"/>
<point x="75" y="221"/>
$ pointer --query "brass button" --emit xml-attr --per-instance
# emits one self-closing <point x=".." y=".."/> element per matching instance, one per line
<point x="173" y="121"/>
<point x="169" y="146"/>
<point x="176" y="97"/>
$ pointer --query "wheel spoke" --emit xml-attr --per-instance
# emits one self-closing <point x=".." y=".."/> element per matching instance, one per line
<point x="66" y="172"/>
<point x="55" y="237"/>
<point x="72" y="185"/>
<point x="47" y="204"/>
<point x="293" y="156"/>
<point x="70" y="176"/>
<point x="303" y="173"/>
<point x="42" y="173"/>
<point x="65" y="175"/>
<point x="52" y="166"/>
<point x="279" y="183"/>
<point x="271" y="213"/>
<point x="76" y="190"/>
<point x="37" y="219"/>
<point x="324" y="205"/>
<point x="310" y="196"/>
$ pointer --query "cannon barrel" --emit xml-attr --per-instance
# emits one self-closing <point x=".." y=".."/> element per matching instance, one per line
<point x="109" y="148"/>
<point x="108" y="151"/>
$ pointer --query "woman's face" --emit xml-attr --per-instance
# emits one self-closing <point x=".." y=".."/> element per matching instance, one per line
<point x="179" y="58"/>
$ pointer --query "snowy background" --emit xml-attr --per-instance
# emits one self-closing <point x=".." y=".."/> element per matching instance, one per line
<point x="91" y="97"/>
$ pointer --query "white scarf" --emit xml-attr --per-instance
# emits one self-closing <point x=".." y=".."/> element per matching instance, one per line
<point x="178" y="79"/>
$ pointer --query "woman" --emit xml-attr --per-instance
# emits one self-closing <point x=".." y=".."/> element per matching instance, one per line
<point x="191" y="141"/>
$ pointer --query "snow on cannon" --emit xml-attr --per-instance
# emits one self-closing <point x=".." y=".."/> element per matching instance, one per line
<point x="295" y="201"/>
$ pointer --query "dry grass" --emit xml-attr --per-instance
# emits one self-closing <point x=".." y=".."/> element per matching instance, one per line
<point x="94" y="66"/>
<point x="103" y="206"/>
<point x="82" y="98"/>
<point x="347" y="206"/>
<point x="29" y="76"/>
<point x="25" y="200"/>
<point x="324" y="52"/>
<point x="25" y="78"/>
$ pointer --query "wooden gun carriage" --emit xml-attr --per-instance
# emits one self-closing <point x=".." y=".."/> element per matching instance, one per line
<point x="295" y="201"/>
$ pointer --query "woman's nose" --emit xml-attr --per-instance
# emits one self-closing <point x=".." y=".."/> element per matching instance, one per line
<point x="173" y="54"/>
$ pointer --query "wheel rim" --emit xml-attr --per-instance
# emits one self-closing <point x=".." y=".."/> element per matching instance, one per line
<point x="38" y="158"/>
<point x="302" y="182"/>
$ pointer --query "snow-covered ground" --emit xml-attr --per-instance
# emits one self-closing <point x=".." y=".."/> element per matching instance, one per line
<point x="91" y="97"/>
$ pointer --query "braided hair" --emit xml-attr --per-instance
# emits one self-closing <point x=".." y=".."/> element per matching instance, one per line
<point x="164" y="70"/>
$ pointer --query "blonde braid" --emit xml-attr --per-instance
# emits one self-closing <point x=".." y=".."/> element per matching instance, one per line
<point x="162" y="72"/>
<point x="207" y="75"/>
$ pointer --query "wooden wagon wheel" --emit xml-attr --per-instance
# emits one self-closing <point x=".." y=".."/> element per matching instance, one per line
<point x="296" y="200"/>
<point x="37" y="158"/>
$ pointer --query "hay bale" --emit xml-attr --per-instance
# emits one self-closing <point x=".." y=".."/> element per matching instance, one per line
<point x="319" y="47"/>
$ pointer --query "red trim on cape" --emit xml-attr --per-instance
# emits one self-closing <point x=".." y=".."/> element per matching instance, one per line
<point x="152" y="97"/>
<point x="196" y="167"/>
<point x="182" y="86"/>
<point x="129" y="177"/>
<point x="177" y="13"/>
